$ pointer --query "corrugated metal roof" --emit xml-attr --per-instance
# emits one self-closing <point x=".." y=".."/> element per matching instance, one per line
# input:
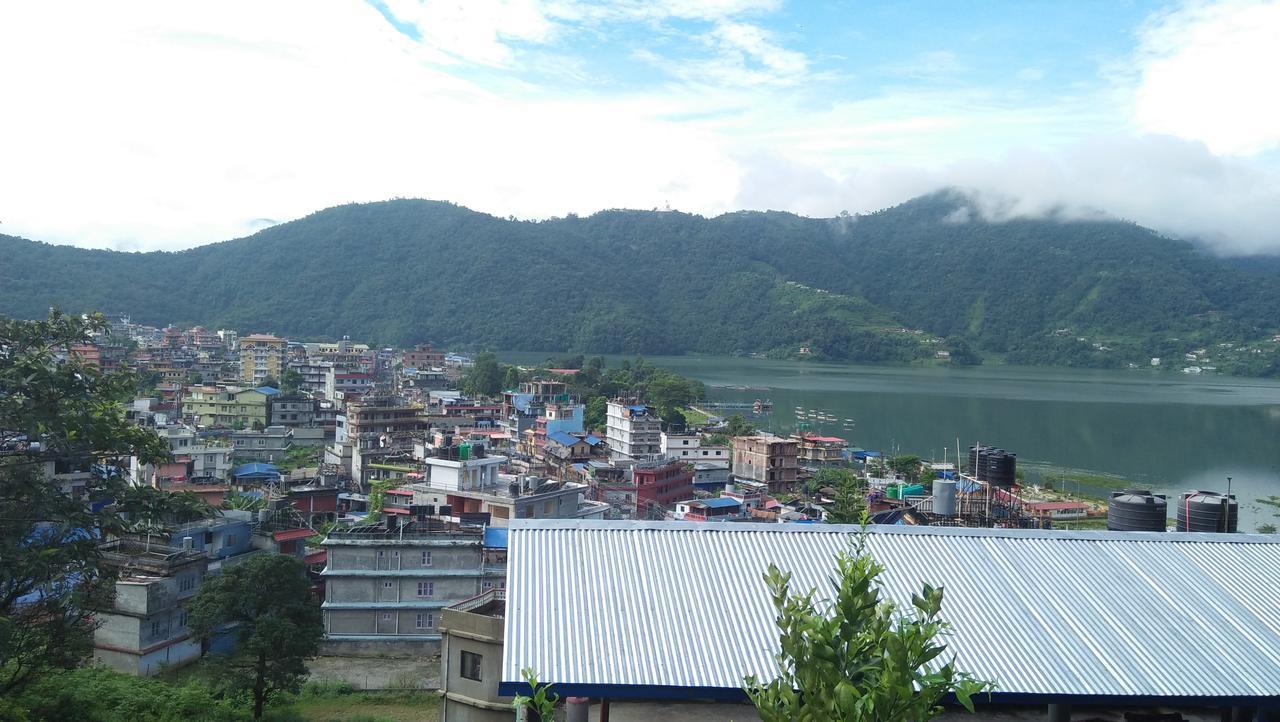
<point x="680" y="609"/>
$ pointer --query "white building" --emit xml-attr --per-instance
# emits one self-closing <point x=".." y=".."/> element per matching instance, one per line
<point x="688" y="447"/>
<point x="462" y="474"/>
<point x="634" y="431"/>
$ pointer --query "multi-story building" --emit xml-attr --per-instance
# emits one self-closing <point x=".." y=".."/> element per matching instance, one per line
<point x="341" y="385"/>
<point x="229" y="406"/>
<point x="688" y="447"/>
<point x="422" y="356"/>
<point x="269" y="444"/>
<point x="634" y="431"/>
<point x="662" y="482"/>
<point x="200" y="459"/>
<point x="144" y="630"/>
<point x="768" y="459"/>
<point x="262" y="356"/>
<point x="377" y="429"/>
<point x="389" y="582"/>
<point x="818" y="450"/>
<point x="293" y="410"/>
<point x="471" y="659"/>
<point x="313" y="374"/>
<point x="479" y="490"/>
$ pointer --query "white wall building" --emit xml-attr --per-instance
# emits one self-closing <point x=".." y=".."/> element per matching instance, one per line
<point x="688" y="447"/>
<point x="634" y="431"/>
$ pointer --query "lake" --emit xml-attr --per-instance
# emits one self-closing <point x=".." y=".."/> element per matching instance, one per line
<point x="1163" y="431"/>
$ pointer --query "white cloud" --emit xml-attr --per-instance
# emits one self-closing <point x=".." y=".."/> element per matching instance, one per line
<point x="478" y="31"/>
<point x="172" y="124"/>
<point x="1208" y="73"/>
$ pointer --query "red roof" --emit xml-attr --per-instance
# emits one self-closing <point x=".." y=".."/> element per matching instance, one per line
<point x="400" y="492"/>
<point x="317" y="557"/>
<point x="292" y="534"/>
<point x="825" y="439"/>
<point x="566" y="372"/>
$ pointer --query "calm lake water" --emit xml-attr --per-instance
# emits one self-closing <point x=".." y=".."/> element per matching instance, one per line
<point x="1162" y="431"/>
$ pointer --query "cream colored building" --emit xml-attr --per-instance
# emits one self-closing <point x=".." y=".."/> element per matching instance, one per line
<point x="262" y="356"/>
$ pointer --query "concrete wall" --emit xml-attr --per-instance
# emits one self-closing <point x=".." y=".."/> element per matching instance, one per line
<point x="400" y="589"/>
<point x="406" y="557"/>
<point x="467" y="699"/>
<point x="390" y="622"/>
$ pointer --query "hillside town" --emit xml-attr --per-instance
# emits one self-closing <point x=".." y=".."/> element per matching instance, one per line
<point x="402" y="478"/>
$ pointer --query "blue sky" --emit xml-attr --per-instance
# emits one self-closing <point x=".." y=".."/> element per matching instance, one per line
<point x="165" y="125"/>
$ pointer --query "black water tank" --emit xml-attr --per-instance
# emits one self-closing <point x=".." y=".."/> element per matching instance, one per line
<point x="1137" y="510"/>
<point x="992" y="465"/>
<point x="477" y="451"/>
<point x="1207" y="511"/>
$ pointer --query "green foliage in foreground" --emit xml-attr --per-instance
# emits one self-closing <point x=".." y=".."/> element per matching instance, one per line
<point x="862" y="659"/>
<point x="98" y="694"/>
<point x="278" y="625"/>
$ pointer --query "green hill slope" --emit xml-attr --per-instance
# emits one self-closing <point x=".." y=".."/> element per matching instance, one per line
<point x="661" y="282"/>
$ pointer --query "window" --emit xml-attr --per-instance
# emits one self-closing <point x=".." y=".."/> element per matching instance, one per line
<point x="386" y="616"/>
<point x="470" y="665"/>
<point x="186" y="584"/>
<point x="229" y="540"/>
<point x="155" y="629"/>
<point x="685" y="442"/>
<point x="426" y="558"/>
<point x="388" y="584"/>
<point x="426" y="620"/>
<point x="182" y="618"/>
<point x="426" y="589"/>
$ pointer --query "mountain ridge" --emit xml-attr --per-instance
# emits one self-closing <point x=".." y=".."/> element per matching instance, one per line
<point x="668" y="282"/>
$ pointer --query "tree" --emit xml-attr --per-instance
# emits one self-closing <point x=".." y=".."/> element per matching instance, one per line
<point x="907" y="465"/>
<point x="858" y="658"/>
<point x="484" y="378"/>
<point x="511" y="378"/>
<point x="270" y="381"/>
<point x="55" y="410"/>
<point x="596" y="414"/>
<point x="277" y="621"/>
<point x="737" y="425"/>
<point x="850" y="495"/>
<point x="1266" y="528"/>
<point x="149" y="511"/>
<point x="291" y="380"/>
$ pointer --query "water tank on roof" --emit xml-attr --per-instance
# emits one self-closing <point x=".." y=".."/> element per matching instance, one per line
<point x="1137" y="510"/>
<point x="477" y="451"/>
<point x="944" y="497"/>
<point x="1207" y="511"/>
<point x="994" y="466"/>
<point x="464" y="452"/>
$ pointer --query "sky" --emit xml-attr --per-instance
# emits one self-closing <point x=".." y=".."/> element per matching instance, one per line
<point x="165" y="125"/>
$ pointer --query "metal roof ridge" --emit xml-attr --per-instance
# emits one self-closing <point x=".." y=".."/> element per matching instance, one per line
<point x="1052" y="534"/>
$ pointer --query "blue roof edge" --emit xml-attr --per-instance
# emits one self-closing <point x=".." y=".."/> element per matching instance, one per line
<point x="730" y="694"/>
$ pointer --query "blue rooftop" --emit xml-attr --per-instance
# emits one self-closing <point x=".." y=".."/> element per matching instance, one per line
<point x="721" y="502"/>
<point x="268" y="390"/>
<point x="256" y="470"/>
<point x="592" y="440"/>
<point x="563" y="438"/>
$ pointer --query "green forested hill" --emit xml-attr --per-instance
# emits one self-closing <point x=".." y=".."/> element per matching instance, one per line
<point x="664" y="282"/>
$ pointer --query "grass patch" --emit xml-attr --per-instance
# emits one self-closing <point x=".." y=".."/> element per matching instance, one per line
<point x="695" y="418"/>
<point x="364" y="707"/>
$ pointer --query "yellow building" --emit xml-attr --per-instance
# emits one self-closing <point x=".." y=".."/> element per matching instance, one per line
<point x="262" y="356"/>
<point x="226" y="406"/>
